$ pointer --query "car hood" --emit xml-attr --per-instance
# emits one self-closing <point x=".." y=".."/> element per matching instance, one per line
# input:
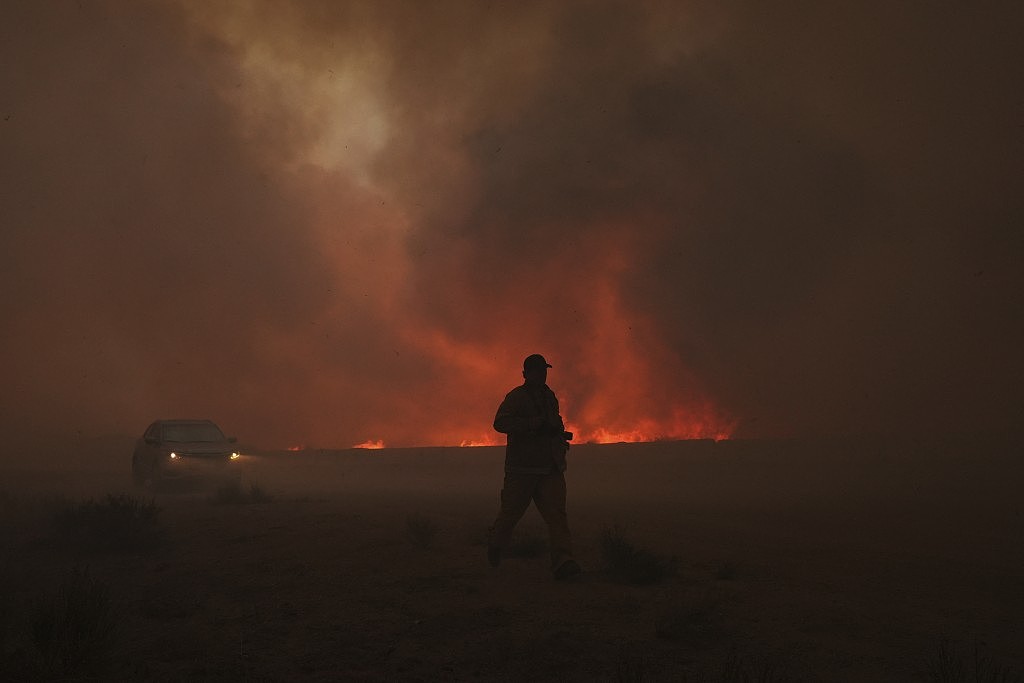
<point x="199" y="447"/>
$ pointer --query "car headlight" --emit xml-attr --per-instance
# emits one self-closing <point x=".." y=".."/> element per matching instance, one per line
<point x="236" y="456"/>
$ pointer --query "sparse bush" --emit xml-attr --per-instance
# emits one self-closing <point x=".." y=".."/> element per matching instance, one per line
<point x="420" y="530"/>
<point x="629" y="564"/>
<point x="233" y="493"/>
<point x="119" y="523"/>
<point x="74" y="632"/>
<point x="951" y="665"/>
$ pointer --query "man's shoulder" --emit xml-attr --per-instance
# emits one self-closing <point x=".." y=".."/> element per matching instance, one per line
<point x="523" y="393"/>
<point x="516" y="392"/>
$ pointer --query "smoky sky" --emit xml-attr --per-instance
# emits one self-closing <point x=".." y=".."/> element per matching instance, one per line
<point x="322" y="223"/>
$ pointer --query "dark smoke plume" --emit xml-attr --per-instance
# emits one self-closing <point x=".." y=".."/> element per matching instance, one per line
<point x="323" y="222"/>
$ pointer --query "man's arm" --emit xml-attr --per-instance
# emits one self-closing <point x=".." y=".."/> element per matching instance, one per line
<point x="558" y="413"/>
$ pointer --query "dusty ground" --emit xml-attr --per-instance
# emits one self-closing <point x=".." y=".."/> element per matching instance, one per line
<point x="844" y="561"/>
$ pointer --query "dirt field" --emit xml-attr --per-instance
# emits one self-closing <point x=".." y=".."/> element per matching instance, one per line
<point x="828" y="561"/>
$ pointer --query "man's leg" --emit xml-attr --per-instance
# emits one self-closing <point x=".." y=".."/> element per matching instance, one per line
<point x="550" y="499"/>
<point x="516" y="494"/>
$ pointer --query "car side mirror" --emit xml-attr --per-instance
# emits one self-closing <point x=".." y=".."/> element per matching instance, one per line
<point x="232" y="439"/>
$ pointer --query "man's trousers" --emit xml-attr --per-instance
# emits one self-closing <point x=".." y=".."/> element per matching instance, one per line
<point x="547" y="491"/>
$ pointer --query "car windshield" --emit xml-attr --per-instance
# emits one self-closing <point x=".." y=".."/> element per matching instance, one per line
<point x="196" y="431"/>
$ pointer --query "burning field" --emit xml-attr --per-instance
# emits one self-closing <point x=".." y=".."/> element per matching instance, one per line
<point x="731" y="561"/>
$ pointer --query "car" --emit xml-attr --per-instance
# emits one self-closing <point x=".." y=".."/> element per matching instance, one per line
<point x="184" y="450"/>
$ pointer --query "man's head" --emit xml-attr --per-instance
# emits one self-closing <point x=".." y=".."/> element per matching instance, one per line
<point x="535" y="370"/>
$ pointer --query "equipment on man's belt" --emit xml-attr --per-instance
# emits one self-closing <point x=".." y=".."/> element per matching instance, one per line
<point x="549" y="429"/>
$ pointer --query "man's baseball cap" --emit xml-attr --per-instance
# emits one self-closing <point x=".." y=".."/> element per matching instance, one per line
<point x="535" y="361"/>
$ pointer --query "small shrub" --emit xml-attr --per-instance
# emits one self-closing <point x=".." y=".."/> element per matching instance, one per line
<point x="119" y="523"/>
<point x="629" y="564"/>
<point x="947" y="666"/>
<point x="950" y="665"/>
<point x="233" y="493"/>
<point x="74" y="632"/>
<point x="420" y="531"/>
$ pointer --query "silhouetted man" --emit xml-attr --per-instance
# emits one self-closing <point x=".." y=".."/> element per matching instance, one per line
<point x="534" y="466"/>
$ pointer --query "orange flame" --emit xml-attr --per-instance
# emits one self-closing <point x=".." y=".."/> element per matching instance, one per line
<point x="617" y="373"/>
<point x="296" y="448"/>
<point x="482" y="441"/>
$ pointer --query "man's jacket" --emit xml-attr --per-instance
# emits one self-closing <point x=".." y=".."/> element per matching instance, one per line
<point x="532" y="450"/>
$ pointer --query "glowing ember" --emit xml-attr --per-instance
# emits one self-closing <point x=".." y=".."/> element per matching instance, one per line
<point x="371" y="445"/>
<point x="296" y="448"/>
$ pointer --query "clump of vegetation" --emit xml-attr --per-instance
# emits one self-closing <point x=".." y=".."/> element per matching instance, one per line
<point x="118" y="523"/>
<point x="692" y="623"/>
<point x="629" y="564"/>
<point x="951" y="665"/>
<point x="73" y="633"/>
<point x="420" y="530"/>
<point x="233" y="493"/>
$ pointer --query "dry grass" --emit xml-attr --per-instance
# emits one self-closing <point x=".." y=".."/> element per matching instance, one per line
<point x="68" y="636"/>
<point x="331" y="588"/>
<point x="951" y="664"/>
<point x="119" y="523"/>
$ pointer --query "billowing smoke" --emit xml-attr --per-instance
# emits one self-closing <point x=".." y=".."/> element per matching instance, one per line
<point x="325" y="223"/>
